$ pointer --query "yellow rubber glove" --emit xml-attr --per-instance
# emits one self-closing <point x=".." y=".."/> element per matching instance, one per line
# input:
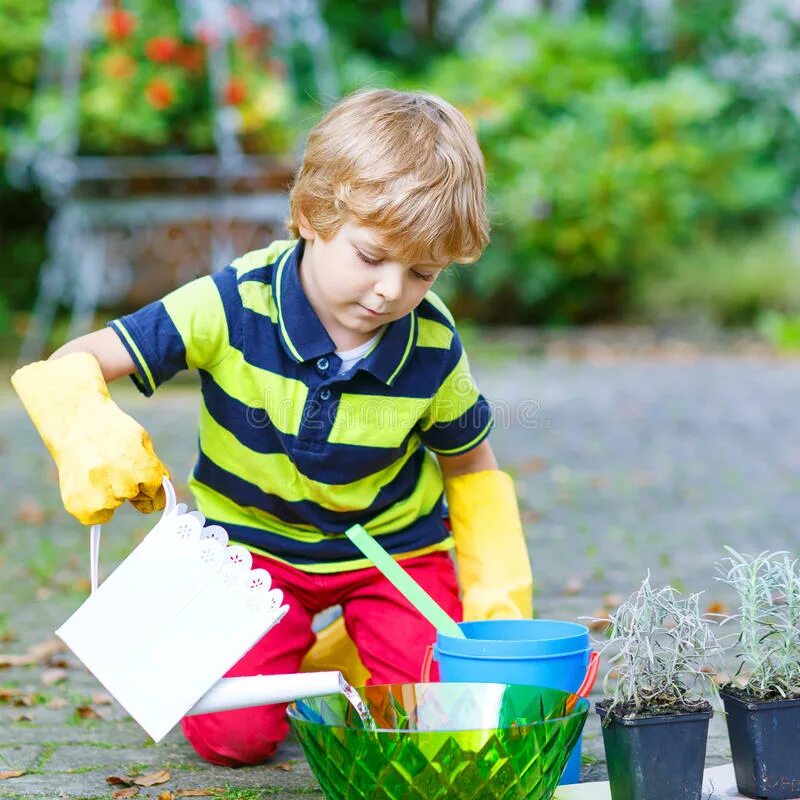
<point x="104" y="457"/>
<point x="335" y="650"/>
<point x="493" y="564"/>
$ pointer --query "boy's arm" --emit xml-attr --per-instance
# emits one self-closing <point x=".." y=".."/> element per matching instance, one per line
<point x="107" y="348"/>
<point x="104" y="457"/>
<point x="492" y="557"/>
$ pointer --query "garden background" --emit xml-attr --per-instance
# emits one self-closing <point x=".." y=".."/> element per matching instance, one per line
<point x="643" y="157"/>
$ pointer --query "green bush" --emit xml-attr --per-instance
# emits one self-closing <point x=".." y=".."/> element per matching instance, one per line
<point x="22" y="214"/>
<point x="595" y="177"/>
<point x="736" y="281"/>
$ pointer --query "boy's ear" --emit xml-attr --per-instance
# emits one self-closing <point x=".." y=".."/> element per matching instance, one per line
<point x="306" y="231"/>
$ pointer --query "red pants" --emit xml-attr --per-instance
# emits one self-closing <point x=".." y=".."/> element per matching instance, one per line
<point x="390" y="635"/>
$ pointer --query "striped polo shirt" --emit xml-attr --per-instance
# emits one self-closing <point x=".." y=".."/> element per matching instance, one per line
<point x="291" y="453"/>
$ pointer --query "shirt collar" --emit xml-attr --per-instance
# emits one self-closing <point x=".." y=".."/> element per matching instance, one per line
<point x="304" y="337"/>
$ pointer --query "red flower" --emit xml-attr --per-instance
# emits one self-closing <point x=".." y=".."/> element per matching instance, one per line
<point x="120" y="24"/>
<point x="119" y="65"/>
<point x="190" y="57"/>
<point x="162" y="49"/>
<point x="235" y="92"/>
<point x="160" y="94"/>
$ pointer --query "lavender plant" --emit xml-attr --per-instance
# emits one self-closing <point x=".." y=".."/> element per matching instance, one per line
<point x="665" y="652"/>
<point x="768" y="645"/>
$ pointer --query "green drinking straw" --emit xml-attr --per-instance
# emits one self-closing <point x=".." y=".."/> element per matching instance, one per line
<point x="404" y="583"/>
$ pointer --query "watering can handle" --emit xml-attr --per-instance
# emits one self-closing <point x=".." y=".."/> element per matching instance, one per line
<point x="94" y="535"/>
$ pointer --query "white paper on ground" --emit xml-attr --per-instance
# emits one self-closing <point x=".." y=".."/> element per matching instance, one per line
<point x="158" y="631"/>
<point x="719" y="783"/>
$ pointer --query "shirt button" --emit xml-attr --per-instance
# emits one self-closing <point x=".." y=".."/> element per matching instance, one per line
<point x="322" y="364"/>
<point x="325" y="394"/>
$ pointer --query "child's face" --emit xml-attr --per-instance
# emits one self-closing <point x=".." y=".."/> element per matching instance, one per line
<point x="355" y="287"/>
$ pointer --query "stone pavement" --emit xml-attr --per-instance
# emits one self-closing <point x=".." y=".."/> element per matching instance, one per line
<point x="623" y="464"/>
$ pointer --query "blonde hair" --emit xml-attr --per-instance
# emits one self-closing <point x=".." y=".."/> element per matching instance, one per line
<point x="407" y="165"/>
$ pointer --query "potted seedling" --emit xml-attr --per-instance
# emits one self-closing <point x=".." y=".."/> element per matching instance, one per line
<point x="763" y="700"/>
<point x="655" y="717"/>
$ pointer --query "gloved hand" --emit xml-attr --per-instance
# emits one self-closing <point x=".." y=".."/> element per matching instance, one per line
<point x="104" y="457"/>
<point x="492" y="557"/>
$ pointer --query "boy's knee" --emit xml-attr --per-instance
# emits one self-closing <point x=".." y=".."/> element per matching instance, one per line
<point x="237" y="738"/>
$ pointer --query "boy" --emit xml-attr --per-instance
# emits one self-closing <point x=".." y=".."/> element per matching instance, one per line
<point x="330" y="376"/>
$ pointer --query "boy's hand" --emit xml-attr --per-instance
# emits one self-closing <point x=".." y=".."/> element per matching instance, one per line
<point x="104" y="457"/>
<point x="493" y="565"/>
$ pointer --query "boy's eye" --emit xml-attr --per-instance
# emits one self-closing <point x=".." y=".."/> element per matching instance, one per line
<point x="422" y="276"/>
<point x="367" y="260"/>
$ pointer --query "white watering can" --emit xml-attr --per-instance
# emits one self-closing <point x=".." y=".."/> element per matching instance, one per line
<point x="174" y="616"/>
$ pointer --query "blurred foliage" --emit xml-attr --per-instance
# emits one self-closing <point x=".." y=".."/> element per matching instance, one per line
<point x="595" y="176"/>
<point x="22" y="214"/>
<point x="633" y="171"/>
<point x="725" y="281"/>
<point x="781" y="330"/>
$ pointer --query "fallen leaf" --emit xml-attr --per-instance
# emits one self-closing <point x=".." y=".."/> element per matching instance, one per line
<point x="40" y="653"/>
<point x="285" y="766"/>
<point x="45" y="650"/>
<point x="717" y="607"/>
<point x="721" y="679"/>
<point x="210" y="792"/>
<point x="599" y="482"/>
<point x="23" y="718"/>
<point x="572" y="586"/>
<point x="50" y="677"/>
<point x="131" y="791"/>
<point x="56" y="703"/>
<point x="532" y="465"/>
<point x="152" y="778"/>
<point x="25" y="700"/>
<point x="30" y="511"/>
<point x="101" y="699"/>
<point x="119" y="780"/>
<point x="11" y="773"/>
<point x="7" y="694"/>
<point x="8" y="636"/>
<point x="166" y="796"/>
<point x="600" y="620"/>
<point x="87" y="712"/>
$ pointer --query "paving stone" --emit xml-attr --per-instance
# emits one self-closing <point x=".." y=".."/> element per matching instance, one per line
<point x="19" y="756"/>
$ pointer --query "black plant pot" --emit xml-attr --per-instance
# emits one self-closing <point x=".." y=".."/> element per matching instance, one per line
<point x="765" y="745"/>
<point x="656" y="758"/>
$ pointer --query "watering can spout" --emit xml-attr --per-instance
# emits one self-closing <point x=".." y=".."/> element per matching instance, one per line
<point x="228" y="694"/>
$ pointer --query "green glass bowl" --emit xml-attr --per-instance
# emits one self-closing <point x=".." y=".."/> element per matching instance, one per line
<point x="460" y="741"/>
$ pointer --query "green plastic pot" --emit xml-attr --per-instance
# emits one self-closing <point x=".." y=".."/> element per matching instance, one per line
<point x="441" y="740"/>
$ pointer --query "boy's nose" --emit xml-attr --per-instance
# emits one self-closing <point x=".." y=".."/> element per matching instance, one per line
<point x="389" y="287"/>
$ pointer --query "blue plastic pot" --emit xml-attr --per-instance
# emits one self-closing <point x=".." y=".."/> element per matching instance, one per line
<point x="537" y="652"/>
